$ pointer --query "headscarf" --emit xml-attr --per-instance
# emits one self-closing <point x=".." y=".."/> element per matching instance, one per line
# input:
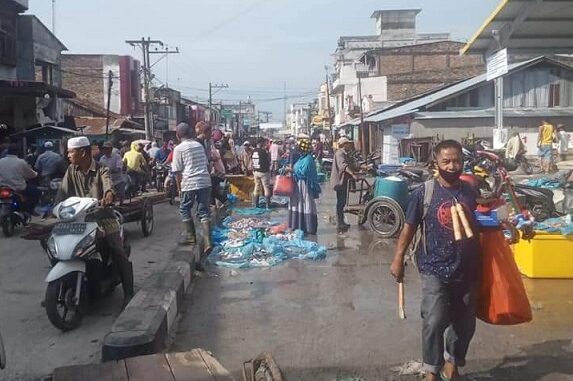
<point x="305" y="146"/>
<point x="305" y="169"/>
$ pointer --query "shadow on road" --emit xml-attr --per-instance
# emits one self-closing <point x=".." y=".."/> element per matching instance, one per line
<point x="533" y="364"/>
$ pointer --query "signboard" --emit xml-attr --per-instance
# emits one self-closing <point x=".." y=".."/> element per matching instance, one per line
<point x="497" y="65"/>
<point x="226" y="113"/>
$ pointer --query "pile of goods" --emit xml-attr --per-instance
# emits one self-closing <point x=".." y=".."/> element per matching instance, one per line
<point x="247" y="240"/>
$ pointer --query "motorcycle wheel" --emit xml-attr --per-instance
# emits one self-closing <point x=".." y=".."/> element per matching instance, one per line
<point x="386" y="218"/>
<point x="8" y="226"/>
<point x="60" y="308"/>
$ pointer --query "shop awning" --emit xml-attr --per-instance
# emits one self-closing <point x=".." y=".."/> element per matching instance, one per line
<point x="36" y="130"/>
<point x="32" y="88"/>
<point x="97" y="125"/>
<point x="526" y="26"/>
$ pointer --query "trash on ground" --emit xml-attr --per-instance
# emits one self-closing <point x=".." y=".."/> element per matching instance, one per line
<point x="409" y="368"/>
<point x="555" y="225"/>
<point x="262" y="368"/>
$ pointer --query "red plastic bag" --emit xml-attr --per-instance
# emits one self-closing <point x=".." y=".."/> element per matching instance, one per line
<point x="502" y="299"/>
<point x="284" y="186"/>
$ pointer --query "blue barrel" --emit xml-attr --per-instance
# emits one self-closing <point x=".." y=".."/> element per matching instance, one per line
<point x="392" y="187"/>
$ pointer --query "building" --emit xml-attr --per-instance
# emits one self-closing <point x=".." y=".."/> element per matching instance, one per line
<point x="299" y="119"/>
<point x="394" y="28"/>
<point x="88" y="76"/>
<point x="240" y="118"/>
<point x="30" y="73"/>
<point x="535" y="90"/>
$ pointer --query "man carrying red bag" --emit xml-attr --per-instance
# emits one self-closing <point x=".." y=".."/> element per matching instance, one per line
<point x="448" y="258"/>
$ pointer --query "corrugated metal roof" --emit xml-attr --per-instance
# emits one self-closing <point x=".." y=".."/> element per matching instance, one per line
<point x="532" y="27"/>
<point x="416" y="104"/>
<point x="490" y="113"/>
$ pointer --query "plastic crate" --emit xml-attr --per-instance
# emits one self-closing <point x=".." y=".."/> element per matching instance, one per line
<point x="545" y="256"/>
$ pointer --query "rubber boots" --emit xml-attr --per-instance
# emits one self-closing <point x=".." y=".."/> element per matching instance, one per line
<point x="207" y="244"/>
<point x="255" y="201"/>
<point x="342" y="227"/>
<point x="189" y="236"/>
<point x="268" y="200"/>
<point x="125" y="268"/>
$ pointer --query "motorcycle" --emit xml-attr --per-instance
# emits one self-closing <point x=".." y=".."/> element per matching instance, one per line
<point x="82" y="266"/>
<point x="49" y="191"/>
<point x="160" y="173"/>
<point x="12" y="212"/>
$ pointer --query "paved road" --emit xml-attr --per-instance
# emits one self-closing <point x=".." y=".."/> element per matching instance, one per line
<point x="34" y="347"/>
<point x="337" y="319"/>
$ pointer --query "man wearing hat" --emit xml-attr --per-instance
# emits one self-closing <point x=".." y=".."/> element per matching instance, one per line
<point x="48" y="163"/>
<point x="112" y="160"/>
<point x="342" y="172"/>
<point x="87" y="178"/>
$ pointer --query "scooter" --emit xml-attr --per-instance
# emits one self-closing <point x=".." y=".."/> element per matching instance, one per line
<point x="49" y="191"/>
<point x="160" y="172"/>
<point x="82" y="266"/>
<point x="12" y="212"/>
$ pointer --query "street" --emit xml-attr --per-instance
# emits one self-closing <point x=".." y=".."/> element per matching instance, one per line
<point x="337" y="319"/>
<point x="34" y="347"/>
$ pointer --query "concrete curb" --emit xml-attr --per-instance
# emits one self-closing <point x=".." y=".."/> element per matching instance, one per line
<point x="145" y="324"/>
<point x="143" y="327"/>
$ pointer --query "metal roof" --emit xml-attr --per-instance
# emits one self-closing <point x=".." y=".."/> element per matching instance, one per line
<point x="526" y="26"/>
<point x="490" y="113"/>
<point x="410" y="106"/>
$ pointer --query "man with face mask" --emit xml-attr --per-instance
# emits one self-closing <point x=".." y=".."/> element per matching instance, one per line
<point x="449" y="268"/>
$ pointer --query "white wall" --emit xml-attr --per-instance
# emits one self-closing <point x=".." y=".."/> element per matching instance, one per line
<point x="112" y="63"/>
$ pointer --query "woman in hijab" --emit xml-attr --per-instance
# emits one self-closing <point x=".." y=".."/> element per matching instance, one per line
<point x="302" y="207"/>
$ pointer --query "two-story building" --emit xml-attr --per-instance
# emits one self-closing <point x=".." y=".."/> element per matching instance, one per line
<point x="30" y="73"/>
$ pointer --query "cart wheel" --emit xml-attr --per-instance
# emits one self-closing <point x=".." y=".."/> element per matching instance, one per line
<point x="147" y="219"/>
<point x="386" y="218"/>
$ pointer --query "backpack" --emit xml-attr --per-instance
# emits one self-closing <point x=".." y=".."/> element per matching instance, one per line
<point x="420" y="236"/>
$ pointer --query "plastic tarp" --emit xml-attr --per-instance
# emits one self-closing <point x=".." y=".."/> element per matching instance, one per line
<point x="247" y="239"/>
<point x="555" y="225"/>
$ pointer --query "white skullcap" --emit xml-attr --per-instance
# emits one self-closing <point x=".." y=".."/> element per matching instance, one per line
<point x="78" y="142"/>
<point x="48" y="144"/>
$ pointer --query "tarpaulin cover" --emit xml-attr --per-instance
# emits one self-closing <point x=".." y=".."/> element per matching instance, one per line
<point x="254" y="241"/>
<point x="554" y="225"/>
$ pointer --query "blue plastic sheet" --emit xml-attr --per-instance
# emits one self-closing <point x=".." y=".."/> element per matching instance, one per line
<point x="544" y="182"/>
<point x="260" y="249"/>
<point x="555" y="225"/>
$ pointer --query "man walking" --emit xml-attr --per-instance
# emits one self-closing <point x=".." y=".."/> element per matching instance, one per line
<point x="343" y="170"/>
<point x="545" y="139"/>
<point x="261" y="171"/>
<point x="449" y="268"/>
<point x="190" y="165"/>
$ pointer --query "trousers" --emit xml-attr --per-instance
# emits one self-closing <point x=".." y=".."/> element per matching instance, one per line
<point x="448" y="308"/>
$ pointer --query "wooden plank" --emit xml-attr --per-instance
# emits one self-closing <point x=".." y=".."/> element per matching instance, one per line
<point x="148" y="368"/>
<point x="215" y="367"/>
<point x="188" y="366"/>
<point x="108" y="371"/>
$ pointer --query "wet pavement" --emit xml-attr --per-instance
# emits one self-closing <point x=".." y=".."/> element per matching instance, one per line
<point x="337" y="319"/>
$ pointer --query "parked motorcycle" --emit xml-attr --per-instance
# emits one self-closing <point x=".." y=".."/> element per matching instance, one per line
<point x="12" y="212"/>
<point x="82" y="266"/>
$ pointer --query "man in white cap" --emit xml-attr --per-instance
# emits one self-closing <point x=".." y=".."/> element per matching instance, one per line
<point x="48" y="163"/>
<point x="87" y="178"/>
<point x="342" y="172"/>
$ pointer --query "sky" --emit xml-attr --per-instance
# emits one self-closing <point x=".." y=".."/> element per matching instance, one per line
<point x="254" y="46"/>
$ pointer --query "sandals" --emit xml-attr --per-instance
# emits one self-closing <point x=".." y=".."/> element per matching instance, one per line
<point x="444" y="378"/>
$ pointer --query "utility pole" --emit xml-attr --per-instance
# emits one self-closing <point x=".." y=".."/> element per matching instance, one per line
<point x="211" y="87"/>
<point x="285" y="102"/>
<point x="361" y="134"/>
<point x="54" y="17"/>
<point x="166" y="52"/>
<point x="145" y="44"/>
<point x="330" y="124"/>
<point x="266" y="114"/>
<point x="109" y="85"/>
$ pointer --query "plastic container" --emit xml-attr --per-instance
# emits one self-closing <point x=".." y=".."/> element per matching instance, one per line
<point x="545" y="256"/>
<point x="394" y="188"/>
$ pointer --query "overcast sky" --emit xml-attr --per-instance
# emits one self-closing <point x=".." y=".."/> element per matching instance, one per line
<point x="252" y="45"/>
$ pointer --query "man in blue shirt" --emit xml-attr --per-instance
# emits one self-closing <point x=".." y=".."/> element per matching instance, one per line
<point x="48" y="163"/>
<point x="449" y="269"/>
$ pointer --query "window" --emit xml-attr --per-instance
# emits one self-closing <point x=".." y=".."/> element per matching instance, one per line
<point x="554" y="95"/>
<point x="7" y="40"/>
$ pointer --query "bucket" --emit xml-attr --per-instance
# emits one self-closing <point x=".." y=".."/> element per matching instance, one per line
<point x="394" y="188"/>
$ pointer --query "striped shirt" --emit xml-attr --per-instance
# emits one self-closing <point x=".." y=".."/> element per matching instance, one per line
<point x="190" y="159"/>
